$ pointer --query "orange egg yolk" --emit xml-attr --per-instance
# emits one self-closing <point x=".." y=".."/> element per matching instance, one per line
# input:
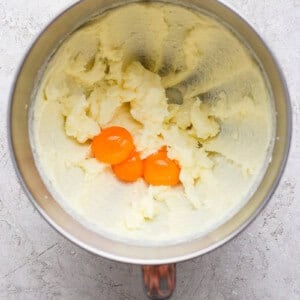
<point x="129" y="170"/>
<point x="160" y="170"/>
<point x="113" y="145"/>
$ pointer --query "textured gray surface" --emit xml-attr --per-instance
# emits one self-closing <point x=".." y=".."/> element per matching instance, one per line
<point x="262" y="263"/>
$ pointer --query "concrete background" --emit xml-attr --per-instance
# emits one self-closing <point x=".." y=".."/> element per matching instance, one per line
<point x="261" y="263"/>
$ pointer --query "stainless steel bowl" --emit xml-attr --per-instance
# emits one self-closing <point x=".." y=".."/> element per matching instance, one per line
<point x="36" y="190"/>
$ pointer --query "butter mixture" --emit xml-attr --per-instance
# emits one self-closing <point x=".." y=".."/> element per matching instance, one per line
<point x="171" y="77"/>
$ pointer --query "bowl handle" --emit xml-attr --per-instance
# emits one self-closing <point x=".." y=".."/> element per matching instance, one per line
<point x="159" y="281"/>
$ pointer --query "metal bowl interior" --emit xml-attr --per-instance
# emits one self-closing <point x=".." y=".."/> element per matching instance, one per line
<point x="22" y="155"/>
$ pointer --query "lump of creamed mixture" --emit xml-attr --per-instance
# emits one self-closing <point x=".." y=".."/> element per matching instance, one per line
<point x="108" y="74"/>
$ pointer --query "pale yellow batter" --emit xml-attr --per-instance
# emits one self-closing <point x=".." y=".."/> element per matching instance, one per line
<point x="127" y="68"/>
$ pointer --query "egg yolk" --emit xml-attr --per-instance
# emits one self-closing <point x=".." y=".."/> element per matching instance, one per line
<point x="160" y="170"/>
<point x="129" y="170"/>
<point x="113" y="145"/>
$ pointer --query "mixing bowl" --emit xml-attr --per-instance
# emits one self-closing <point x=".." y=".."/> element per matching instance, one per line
<point x="159" y="277"/>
